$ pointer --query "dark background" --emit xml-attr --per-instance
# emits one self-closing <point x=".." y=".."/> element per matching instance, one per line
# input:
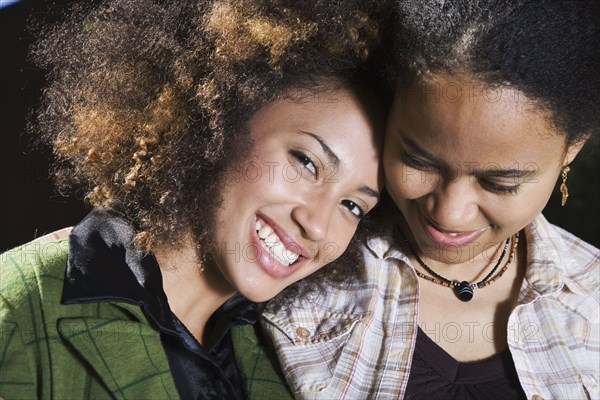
<point x="30" y="207"/>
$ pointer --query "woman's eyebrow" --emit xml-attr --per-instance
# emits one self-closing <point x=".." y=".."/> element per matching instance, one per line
<point x="332" y="157"/>
<point x="335" y="160"/>
<point x="503" y="173"/>
<point x="368" y="191"/>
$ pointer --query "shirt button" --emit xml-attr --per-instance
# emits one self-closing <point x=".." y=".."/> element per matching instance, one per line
<point x="302" y="333"/>
<point x="537" y="397"/>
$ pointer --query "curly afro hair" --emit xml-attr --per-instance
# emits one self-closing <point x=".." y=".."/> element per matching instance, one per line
<point x="548" y="50"/>
<point x="148" y="101"/>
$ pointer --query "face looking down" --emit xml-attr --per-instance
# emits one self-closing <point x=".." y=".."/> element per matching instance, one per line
<point x="294" y="204"/>
<point x="469" y="166"/>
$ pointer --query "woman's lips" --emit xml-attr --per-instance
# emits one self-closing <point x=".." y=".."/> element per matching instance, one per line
<point x="267" y="261"/>
<point x="448" y="238"/>
<point x="286" y="239"/>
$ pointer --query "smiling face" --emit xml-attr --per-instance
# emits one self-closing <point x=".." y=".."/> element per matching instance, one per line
<point x="295" y="203"/>
<point x="469" y="167"/>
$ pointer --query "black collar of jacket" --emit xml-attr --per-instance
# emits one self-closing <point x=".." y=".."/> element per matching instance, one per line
<point x="103" y="265"/>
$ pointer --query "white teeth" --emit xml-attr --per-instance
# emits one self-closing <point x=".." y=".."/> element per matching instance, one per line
<point x="271" y="242"/>
<point x="264" y="232"/>
<point x="283" y="255"/>
<point x="278" y="252"/>
<point x="453" y="234"/>
<point x="291" y="256"/>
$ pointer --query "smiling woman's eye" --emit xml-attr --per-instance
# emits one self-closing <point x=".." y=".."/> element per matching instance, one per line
<point x="305" y="161"/>
<point x="354" y="208"/>
<point x="417" y="163"/>
<point x="497" y="188"/>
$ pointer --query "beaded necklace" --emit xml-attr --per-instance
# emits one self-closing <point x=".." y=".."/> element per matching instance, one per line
<point x="465" y="289"/>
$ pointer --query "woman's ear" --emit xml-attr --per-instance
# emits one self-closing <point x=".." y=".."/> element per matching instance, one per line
<point x="574" y="149"/>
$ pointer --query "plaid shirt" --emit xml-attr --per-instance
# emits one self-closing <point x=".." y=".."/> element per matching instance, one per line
<point x="357" y="343"/>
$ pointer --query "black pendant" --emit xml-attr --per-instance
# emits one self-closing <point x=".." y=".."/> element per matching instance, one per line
<point x="465" y="291"/>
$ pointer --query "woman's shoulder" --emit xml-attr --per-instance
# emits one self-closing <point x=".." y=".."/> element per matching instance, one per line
<point x="548" y="237"/>
<point x="34" y="268"/>
<point x="558" y="234"/>
<point x="577" y="261"/>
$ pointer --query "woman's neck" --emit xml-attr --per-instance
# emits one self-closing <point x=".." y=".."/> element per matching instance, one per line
<point x="193" y="293"/>
<point x="475" y="268"/>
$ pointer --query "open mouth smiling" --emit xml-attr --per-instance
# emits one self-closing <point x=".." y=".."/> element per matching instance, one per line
<point x="273" y="244"/>
<point x="280" y="250"/>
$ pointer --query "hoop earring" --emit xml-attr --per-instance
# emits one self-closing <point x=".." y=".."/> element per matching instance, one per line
<point x="563" y="186"/>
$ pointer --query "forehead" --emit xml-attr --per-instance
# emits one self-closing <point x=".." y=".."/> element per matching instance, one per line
<point x="351" y="131"/>
<point x="467" y="121"/>
<point x="336" y="115"/>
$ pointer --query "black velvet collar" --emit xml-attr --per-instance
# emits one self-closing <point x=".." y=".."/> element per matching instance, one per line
<point x="103" y="265"/>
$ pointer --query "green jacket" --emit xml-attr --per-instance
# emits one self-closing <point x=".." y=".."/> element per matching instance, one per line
<point x="100" y="350"/>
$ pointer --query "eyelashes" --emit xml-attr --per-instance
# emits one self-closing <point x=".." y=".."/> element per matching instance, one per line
<point x="306" y="161"/>
<point x="488" y="185"/>
<point x="499" y="189"/>
<point x="314" y="169"/>
<point x="354" y="208"/>
<point x="418" y="163"/>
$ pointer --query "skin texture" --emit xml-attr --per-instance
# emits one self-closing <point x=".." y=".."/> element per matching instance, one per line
<point x="443" y="156"/>
<point x="292" y="183"/>
<point x="458" y="186"/>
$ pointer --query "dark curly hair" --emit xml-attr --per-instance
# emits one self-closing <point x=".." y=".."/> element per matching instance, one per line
<point x="148" y="101"/>
<point x="548" y="50"/>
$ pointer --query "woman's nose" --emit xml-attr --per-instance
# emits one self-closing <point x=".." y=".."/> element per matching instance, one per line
<point x="314" y="214"/>
<point x="453" y="204"/>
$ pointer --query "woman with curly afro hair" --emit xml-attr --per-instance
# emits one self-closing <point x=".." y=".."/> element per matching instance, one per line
<point x="229" y="148"/>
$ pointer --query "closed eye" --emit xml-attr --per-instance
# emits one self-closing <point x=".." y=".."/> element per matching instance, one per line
<point x="497" y="188"/>
<point x="417" y="163"/>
